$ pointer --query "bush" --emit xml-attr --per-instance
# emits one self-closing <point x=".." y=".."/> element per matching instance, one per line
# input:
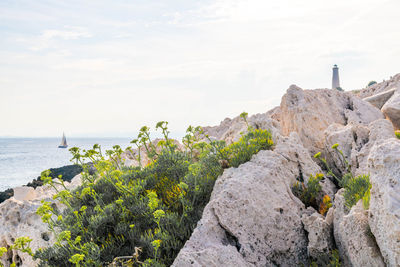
<point x="146" y="213"/>
<point x="357" y="188"/>
<point x="397" y="133"/>
<point x="371" y="83"/>
<point x="308" y="193"/>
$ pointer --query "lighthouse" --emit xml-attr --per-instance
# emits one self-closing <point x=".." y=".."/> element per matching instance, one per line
<point x="335" y="77"/>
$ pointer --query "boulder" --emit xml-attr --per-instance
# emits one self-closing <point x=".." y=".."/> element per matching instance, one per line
<point x="320" y="238"/>
<point x="18" y="218"/>
<point x="310" y="112"/>
<point x="384" y="215"/>
<point x="391" y="109"/>
<point x="253" y="219"/>
<point x="355" y="141"/>
<point x="356" y="244"/>
<point x="392" y="83"/>
<point x="380" y="99"/>
<point x="230" y="130"/>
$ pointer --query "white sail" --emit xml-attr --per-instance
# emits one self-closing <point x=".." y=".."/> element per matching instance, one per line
<point x="63" y="142"/>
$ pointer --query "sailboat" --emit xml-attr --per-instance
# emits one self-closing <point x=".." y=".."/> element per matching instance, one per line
<point x="63" y="142"/>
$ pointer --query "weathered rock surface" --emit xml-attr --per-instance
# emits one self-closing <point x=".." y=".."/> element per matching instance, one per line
<point x="320" y="238"/>
<point x="384" y="216"/>
<point x="391" y="109"/>
<point x="230" y="130"/>
<point x="310" y="112"/>
<point x="355" y="141"/>
<point x="18" y="218"/>
<point x="356" y="245"/>
<point x="380" y="99"/>
<point x="253" y="219"/>
<point x="392" y="83"/>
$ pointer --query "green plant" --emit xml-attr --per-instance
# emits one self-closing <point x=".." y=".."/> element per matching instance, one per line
<point x="308" y="193"/>
<point x="397" y="133"/>
<point x="371" y="83"/>
<point x="357" y="188"/>
<point x="147" y="211"/>
<point x="21" y="244"/>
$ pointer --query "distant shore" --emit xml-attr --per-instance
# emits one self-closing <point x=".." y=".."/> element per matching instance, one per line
<point x="67" y="173"/>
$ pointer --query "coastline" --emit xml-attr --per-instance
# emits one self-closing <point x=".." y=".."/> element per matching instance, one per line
<point x="67" y="172"/>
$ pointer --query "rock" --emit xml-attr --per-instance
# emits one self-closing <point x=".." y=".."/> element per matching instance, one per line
<point x="380" y="99"/>
<point x="392" y="83"/>
<point x="24" y="193"/>
<point x="230" y="130"/>
<point x="253" y="219"/>
<point x="391" y="109"/>
<point x="310" y="112"/>
<point x="320" y="239"/>
<point x="357" y="246"/>
<point x="355" y="141"/>
<point x="384" y="216"/>
<point x="18" y="218"/>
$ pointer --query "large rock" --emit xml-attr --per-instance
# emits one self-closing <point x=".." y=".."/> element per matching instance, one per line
<point x="392" y="83"/>
<point x="230" y="130"/>
<point x="384" y="216"/>
<point x="355" y="141"/>
<point x="253" y="219"/>
<point x="380" y="99"/>
<point x="320" y="238"/>
<point x="18" y="218"/>
<point x="357" y="246"/>
<point x="391" y="109"/>
<point x="310" y="112"/>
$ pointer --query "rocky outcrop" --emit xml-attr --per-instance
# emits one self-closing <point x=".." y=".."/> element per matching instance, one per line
<point x="18" y="218"/>
<point x="391" y="109"/>
<point x="380" y="99"/>
<point x="384" y="211"/>
<point x="320" y="238"/>
<point x="356" y="244"/>
<point x="230" y="130"/>
<point x="310" y="112"/>
<point x="252" y="218"/>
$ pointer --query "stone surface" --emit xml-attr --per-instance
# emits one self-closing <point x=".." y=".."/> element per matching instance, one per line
<point x="230" y="130"/>
<point x="320" y="239"/>
<point x="380" y="99"/>
<point x="384" y="216"/>
<point x="392" y="83"/>
<point x="310" y="112"/>
<point x="253" y="219"/>
<point x="355" y="141"/>
<point x="391" y="109"/>
<point x="18" y="218"/>
<point x="357" y="247"/>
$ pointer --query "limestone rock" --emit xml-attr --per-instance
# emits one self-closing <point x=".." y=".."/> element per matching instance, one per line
<point x="310" y="112"/>
<point x="391" y="109"/>
<point x="320" y="239"/>
<point x="384" y="216"/>
<point x="380" y="99"/>
<point x="18" y="218"/>
<point x="230" y="130"/>
<point x="356" y="245"/>
<point x="355" y="141"/>
<point x="252" y="218"/>
<point x="392" y="83"/>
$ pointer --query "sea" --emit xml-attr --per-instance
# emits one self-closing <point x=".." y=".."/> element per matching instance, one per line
<point x="23" y="159"/>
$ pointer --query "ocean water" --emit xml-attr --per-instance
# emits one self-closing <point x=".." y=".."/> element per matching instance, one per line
<point x="23" y="159"/>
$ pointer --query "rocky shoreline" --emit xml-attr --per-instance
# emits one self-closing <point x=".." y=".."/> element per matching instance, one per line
<point x="67" y="173"/>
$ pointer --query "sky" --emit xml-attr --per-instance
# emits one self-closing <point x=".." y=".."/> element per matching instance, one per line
<point x="105" y="68"/>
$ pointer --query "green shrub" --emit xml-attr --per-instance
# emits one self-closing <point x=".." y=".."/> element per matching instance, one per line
<point x="357" y="188"/>
<point x="371" y="83"/>
<point x="308" y="193"/>
<point x="397" y="133"/>
<point x="147" y="212"/>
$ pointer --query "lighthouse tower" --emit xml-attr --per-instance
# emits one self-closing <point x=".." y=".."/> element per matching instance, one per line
<point x="335" y="77"/>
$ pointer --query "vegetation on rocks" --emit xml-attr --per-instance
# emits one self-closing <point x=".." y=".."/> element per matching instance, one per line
<point x="397" y="133"/>
<point x="371" y="83"/>
<point x="139" y="215"/>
